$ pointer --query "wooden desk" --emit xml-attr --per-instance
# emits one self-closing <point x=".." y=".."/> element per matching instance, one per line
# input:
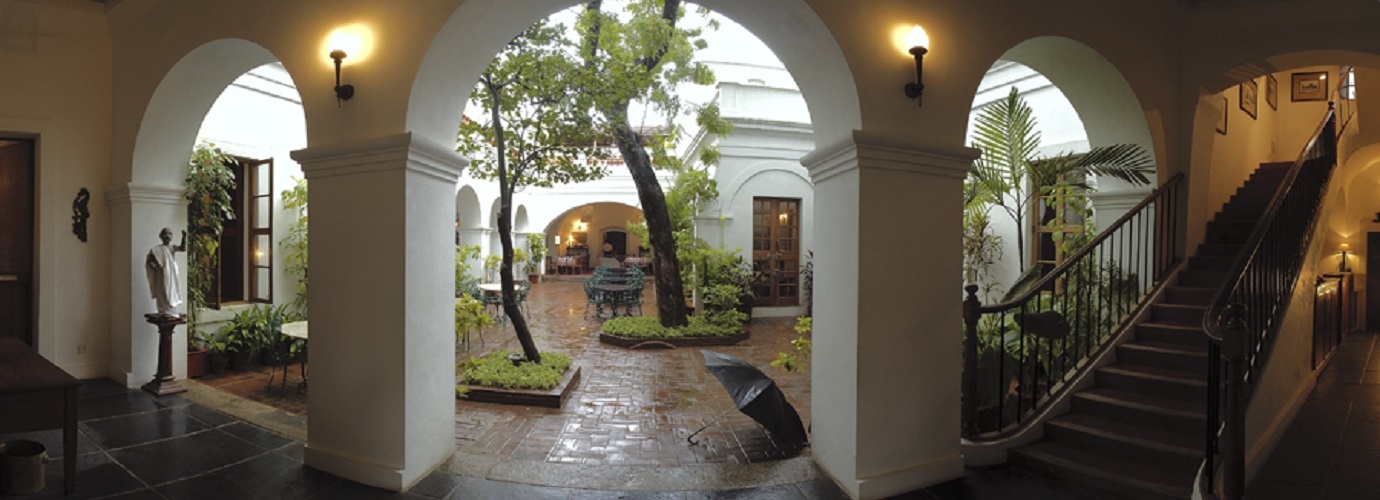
<point x="37" y="395"/>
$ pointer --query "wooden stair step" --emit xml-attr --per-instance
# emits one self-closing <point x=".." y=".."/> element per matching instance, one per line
<point x="1099" y="475"/>
<point x="1180" y="452"/>
<point x="1141" y="410"/>
<point x="1154" y="381"/>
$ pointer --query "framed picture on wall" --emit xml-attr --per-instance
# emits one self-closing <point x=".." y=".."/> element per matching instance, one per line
<point x="1222" y="118"/>
<point x="1310" y="86"/>
<point x="1248" y="101"/>
<point x="1272" y="92"/>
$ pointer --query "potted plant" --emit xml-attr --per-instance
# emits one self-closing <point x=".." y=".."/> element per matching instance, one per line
<point x="245" y="334"/>
<point x="519" y="262"/>
<point x="217" y="359"/>
<point x="196" y="355"/>
<point x="491" y="263"/>
<point x="536" y="246"/>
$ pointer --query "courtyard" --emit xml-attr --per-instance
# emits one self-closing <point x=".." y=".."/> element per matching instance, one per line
<point x="631" y="407"/>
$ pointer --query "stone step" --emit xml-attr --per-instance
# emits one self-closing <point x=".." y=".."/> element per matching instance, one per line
<point x="1101" y="476"/>
<point x="1157" y="382"/>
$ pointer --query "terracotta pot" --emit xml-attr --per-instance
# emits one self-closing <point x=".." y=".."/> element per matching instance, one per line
<point x="534" y="278"/>
<point x="196" y="363"/>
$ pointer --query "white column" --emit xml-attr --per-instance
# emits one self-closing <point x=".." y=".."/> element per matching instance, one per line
<point x="382" y="398"/>
<point x="137" y="214"/>
<point x="888" y="355"/>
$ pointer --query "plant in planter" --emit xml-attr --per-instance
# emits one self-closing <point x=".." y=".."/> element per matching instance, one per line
<point x="217" y="359"/>
<point x="491" y="264"/>
<point x="464" y="283"/>
<point x="536" y="245"/>
<point x="248" y="332"/>
<point x="791" y="361"/>
<point x="469" y="317"/>
<point x="520" y="257"/>
<point x="196" y="355"/>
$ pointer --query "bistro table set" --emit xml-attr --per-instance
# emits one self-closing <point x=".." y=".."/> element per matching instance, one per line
<point x="614" y="287"/>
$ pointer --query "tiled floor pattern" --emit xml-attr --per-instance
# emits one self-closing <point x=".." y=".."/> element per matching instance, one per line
<point x="135" y="446"/>
<point x="633" y="407"/>
<point x="1332" y="449"/>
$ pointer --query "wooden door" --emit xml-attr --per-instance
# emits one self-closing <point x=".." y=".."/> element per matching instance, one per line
<point x="776" y="250"/>
<point x="17" y="239"/>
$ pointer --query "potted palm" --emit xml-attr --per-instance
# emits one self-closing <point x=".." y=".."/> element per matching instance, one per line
<point x="536" y="246"/>
<point x="519" y="262"/>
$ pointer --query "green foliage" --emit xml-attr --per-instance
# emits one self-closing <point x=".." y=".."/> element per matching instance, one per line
<point x="1010" y="175"/>
<point x="536" y="244"/>
<point x="469" y="317"/>
<point x="519" y="260"/>
<point x="648" y="327"/>
<point x="495" y="370"/>
<point x="803" y="347"/>
<point x="464" y="283"/>
<point x="295" y="243"/>
<point x="209" y="184"/>
<point x="255" y="327"/>
<point x="491" y="263"/>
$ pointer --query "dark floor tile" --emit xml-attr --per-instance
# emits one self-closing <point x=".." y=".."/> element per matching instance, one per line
<point x="1355" y="469"/>
<point x="114" y="405"/>
<point x="99" y="387"/>
<point x="1336" y="493"/>
<point x="778" y="492"/>
<point x="206" y="415"/>
<point x="264" y="476"/>
<point x="1361" y="435"/>
<point x="438" y="484"/>
<point x="625" y="495"/>
<point x="1365" y="412"/>
<point x="484" y="488"/>
<point x="184" y="456"/>
<point x="1275" y="490"/>
<point x="999" y="483"/>
<point x="1323" y="412"/>
<point x="1300" y="465"/>
<point x="256" y="435"/>
<point x="296" y="451"/>
<point x="97" y="476"/>
<point x="140" y="428"/>
<point x="52" y="440"/>
<point x="1341" y="376"/>
<point x="349" y="490"/>
<point x="822" y="489"/>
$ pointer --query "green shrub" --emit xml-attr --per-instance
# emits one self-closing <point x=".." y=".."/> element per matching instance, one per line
<point x="649" y="327"/>
<point x="494" y="370"/>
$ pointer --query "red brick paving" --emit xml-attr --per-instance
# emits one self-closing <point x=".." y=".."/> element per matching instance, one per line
<point x="631" y="408"/>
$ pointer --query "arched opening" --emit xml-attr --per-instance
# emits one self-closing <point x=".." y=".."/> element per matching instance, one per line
<point x="153" y="199"/>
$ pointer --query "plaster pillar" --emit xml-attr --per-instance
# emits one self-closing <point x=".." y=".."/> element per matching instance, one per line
<point x="888" y="332"/>
<point x="476" y="236"/>
<point x="137" y="213"/>
<point x="382" y="397"/>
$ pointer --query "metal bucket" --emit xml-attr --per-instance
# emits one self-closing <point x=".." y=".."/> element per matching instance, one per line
<point x="22" y="465"/>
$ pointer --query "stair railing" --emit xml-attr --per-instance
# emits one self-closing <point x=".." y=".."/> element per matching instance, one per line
<point x="1243" y="317"/>
<point x="1019" y="355"/>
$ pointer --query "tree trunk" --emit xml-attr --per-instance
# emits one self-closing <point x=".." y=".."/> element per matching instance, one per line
<point x="670" y="295"/>
<point x="505" y="236"/>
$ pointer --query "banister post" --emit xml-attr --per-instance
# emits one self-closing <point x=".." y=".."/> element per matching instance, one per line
<point x="1235" y="344"/>
<point x="971" y="304"/>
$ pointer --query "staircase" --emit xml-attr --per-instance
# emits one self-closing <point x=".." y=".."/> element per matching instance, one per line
<point x="1138" y="432"/>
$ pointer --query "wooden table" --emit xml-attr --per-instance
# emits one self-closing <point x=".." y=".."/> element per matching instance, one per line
<point x="37" y="395"/>
<point x="296" y="330"/>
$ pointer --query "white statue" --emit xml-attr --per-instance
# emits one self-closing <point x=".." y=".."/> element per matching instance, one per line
<point x="163" y="274"/>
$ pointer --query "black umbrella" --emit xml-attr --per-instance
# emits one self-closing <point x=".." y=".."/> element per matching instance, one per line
<point x="757" y="396"/>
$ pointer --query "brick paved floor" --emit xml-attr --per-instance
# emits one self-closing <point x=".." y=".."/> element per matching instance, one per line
<point x="631" y="408"/>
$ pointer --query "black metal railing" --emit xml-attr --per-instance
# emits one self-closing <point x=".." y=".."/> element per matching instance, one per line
<point x="1020" y="354"/>
<point x="1246" y="310"/>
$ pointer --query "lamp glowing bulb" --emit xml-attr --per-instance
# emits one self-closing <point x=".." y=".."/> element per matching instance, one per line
<point x="917" y="38"/>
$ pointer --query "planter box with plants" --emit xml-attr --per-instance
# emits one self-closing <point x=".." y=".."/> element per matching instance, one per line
<point x="497" y="378"/>
<point x="721" y="323"/>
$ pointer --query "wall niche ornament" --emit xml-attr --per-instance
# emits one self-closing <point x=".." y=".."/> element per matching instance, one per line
<point x="80" y="213"/>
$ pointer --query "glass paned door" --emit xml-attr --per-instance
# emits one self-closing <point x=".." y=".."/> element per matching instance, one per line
<point x="776" y="251"/>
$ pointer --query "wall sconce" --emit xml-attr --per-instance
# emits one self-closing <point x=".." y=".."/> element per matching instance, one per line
<point x="558" y="240"/>
<point x="342" y="92"/>
<point x="919" y="43"/>
<point x="1343" y="249"/>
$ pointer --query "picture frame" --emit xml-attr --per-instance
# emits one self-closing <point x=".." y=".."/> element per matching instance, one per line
<point x="1248" y="97"/>
<point x="1308" y="86"/>
<point x="1272" y="92"/>
<point x="1222" y="118"/>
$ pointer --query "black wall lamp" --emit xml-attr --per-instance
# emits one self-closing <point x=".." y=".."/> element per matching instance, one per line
<point x="342" y="92"/>
<point x="919" y="43"/>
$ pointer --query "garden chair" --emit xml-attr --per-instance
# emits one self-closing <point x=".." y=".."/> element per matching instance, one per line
<point x="595" y="297"/>
<point x="281" y="354"/>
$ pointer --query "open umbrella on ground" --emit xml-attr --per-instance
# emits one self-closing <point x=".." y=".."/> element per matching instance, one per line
<point x="757" y="396"/>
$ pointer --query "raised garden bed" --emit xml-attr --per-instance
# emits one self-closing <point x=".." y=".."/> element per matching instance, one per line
<point x="551" y="398"/>
<point x="671" y="342"/>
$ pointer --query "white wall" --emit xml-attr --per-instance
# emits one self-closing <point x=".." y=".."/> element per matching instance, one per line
<point x="55" y="81"/>
<point x="259" y="116"/>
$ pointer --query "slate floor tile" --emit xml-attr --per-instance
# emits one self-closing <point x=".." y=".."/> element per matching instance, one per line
<point x="114" y="405"/>
<point x="256" y="435"/>
<point x="130" y="430"/>
<point x="206" y="415"/>
<point x="97" y="476"/>
<point x="52" y="440"/>
<point x="182" y="457"/>
<point x="264" y="476"/>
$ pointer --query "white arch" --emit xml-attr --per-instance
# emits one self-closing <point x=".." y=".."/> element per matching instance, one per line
<point x="467" y="211"/>
<point x="479" y="28"/>
<point x="736" y="184"/>
<point x="179" y="104"/>
<point x="1109" y="108"/>
<point x="520" y="219"/>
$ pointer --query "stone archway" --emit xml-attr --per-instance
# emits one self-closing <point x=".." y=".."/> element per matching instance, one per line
<point x="153" y="197"/>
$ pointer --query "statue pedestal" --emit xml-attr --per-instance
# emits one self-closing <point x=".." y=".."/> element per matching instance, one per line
<point x="163" y="382"/>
